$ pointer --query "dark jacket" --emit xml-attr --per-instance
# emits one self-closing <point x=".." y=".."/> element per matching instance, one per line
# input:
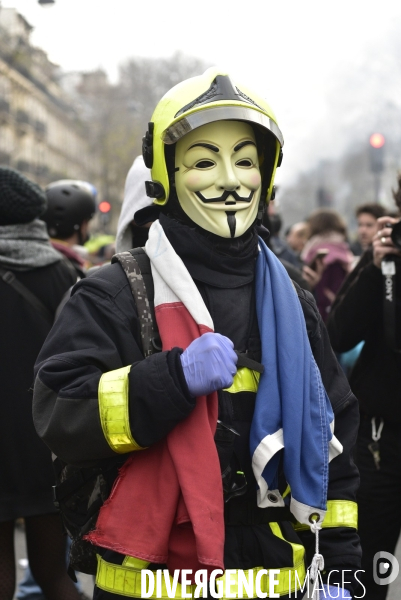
<point x="356" y="248"/>
<point x="98" y="331"/>
<point x="72" y="256"/>
<point x="357" y="315"/>
<point x="331" y="280"/>
<point x="26" y="473"/>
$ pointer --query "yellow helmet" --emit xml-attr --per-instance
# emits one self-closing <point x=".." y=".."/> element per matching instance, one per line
<point x="200" y="100"/>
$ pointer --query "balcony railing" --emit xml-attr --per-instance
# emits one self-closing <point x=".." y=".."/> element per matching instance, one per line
<point x="24" y="166"/>
<point x="22" y="117"/>
<point x="5" y="158"/>
<point x="41" y="170"/>
<point x="4" y="106"/>
<point x="40" y="128"/>
<point x="4" y="111"/>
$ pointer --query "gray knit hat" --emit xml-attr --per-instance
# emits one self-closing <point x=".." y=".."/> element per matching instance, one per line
<point x="21" y="200"/>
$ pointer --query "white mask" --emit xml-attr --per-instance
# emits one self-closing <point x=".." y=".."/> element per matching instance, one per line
<point x="217" y="178"/>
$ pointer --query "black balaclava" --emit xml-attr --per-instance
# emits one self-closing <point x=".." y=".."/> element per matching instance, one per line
<point x="139" y="235"/>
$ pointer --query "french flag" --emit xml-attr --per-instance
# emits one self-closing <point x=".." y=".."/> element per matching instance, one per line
<point x="167" y="503"/>
<point x="179" y="307"/>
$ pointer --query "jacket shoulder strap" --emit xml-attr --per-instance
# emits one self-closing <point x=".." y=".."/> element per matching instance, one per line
<point x="136" y="266"/>
<point x="9" y="278"/>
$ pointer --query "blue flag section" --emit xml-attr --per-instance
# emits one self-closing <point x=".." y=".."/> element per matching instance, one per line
<point x="293" y="418"/>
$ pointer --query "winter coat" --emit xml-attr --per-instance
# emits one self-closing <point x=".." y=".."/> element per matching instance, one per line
<point x="357" y="315"/>
<point x="26" y="474"/>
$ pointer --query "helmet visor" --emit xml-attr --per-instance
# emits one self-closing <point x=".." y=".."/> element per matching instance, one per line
<point x="222" y="113"/>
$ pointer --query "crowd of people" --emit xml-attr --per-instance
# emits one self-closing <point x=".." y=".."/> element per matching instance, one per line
<point x="190" y="366"/>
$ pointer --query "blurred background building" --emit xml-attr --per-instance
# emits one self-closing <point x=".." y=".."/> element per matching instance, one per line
<point x="41" y="132"/>
<point x="56" y="125"/>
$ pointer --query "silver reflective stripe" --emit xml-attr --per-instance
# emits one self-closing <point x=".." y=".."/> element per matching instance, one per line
<point x="221" y="113"/>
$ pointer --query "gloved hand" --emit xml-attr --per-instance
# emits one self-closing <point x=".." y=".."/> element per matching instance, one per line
<point x="332" y="591"/>
<point x="209" y="364"/>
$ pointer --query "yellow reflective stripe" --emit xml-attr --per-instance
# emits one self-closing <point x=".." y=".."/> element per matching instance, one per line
<point x="298" y="560"/>
<point x="113" y="409"/>
<point x="298" y="551"/>
<point x="125" y="580"/>
<point x="135" y="563"/>
<point x="340" y="513"/>
<point x="245" y="380"/>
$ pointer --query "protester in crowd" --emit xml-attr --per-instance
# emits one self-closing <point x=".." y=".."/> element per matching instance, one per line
<point x="366" y="216"/>
<point x="327" y="256"/>
<point x="71" y="204"/>
<point x="368" y="308"/>
<point x="294" y="272"/>
<point x="100" y="248"/>
<point x="296" y="236"/>
<point x="129" y="233"/>
<point x="273" y="222"/>
<point x="28" y="589"/>
<point x="33" y="279"/>
<point x="203" y="427"/>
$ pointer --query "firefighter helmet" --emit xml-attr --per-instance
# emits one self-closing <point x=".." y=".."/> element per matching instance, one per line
<point x="201" y="100"/>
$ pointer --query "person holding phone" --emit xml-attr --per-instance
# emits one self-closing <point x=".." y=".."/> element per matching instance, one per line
<point x="361" y="312"/>
<point x="327" y="257"/>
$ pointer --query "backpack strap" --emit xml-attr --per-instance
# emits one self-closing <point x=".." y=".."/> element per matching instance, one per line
<point x="10" y="278"/>
<point x="144" y="264"/>
<point x="136" y="266"/>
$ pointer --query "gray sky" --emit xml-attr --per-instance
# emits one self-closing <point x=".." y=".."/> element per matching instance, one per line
<point x="291" y="51"/>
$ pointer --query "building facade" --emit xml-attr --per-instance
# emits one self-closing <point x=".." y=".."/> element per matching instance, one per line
<point x="41" y="133"/>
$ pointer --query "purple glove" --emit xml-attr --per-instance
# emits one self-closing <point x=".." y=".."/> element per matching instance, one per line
<point x="333" y="591"/>
<point x="209" y="364"/>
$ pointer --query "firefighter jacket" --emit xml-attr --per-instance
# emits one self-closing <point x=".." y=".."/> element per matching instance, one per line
<point x="98" y="332"/>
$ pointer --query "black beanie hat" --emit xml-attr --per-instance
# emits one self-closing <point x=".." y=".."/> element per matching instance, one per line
<point x="21" y="200"/>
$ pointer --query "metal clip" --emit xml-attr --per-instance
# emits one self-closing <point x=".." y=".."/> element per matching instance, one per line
<point x="227" y="427"/>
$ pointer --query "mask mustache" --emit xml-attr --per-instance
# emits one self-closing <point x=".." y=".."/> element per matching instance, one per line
<point x="224" y="197"/>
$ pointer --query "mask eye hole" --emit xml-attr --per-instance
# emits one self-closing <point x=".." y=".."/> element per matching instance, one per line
<point x="204" y="164"/>
<point x="244" y="162"/>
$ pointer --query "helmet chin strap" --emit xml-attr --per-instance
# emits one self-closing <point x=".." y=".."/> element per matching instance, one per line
<point x="261" y="209"/>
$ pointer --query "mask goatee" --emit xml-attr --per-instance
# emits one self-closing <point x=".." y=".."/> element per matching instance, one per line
<point x="231" y="221"/>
